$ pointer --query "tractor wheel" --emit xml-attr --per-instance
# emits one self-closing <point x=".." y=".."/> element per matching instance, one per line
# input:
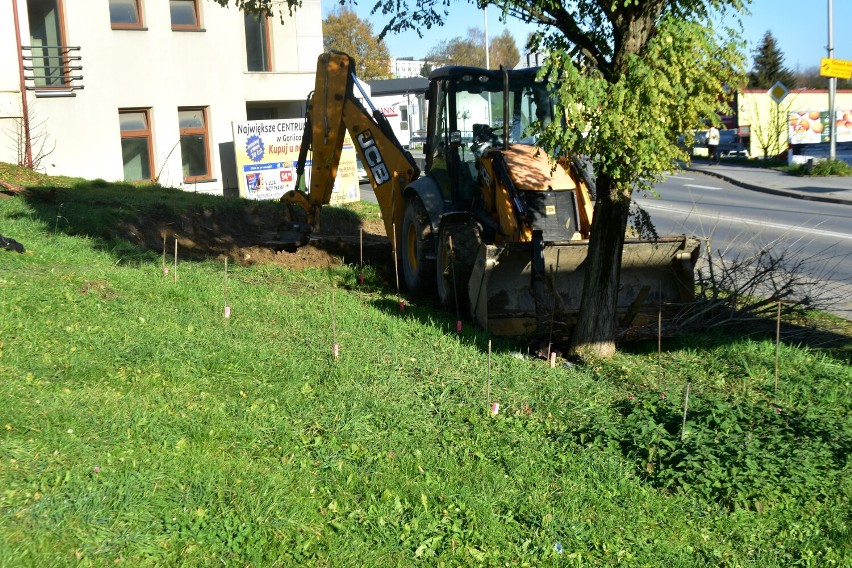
<point x="455" y="266"/>
<point x="416" y="254"/>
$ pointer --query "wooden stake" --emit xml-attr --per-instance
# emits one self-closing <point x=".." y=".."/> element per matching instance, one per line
<point x="455" y="288"/>
<point x="396" y="267"/>
<point x="660" y="345"/>
<point x="777" y="348"/>
<point x="488" y="380"/>
<point x="685" y="407"/>
<point x="165" y="268"/>
<point x="553" y="312"/>
<point x="176" y="245"/>
<point x="225" y="286"/>
<point x="361" y="241"/>
<point x="335" y="347"/>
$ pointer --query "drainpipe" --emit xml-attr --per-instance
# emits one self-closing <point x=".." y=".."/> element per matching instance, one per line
<point x="24" y="105"/>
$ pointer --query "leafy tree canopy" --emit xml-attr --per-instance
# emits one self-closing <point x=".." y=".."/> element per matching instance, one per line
<point x="344" y="31"/>
<point x="470" y="50"/>
<point x="769" y="65"/>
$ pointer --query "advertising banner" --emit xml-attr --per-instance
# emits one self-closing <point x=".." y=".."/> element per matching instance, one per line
<point x="812" y="127"/>
<point x="266" y="154"/>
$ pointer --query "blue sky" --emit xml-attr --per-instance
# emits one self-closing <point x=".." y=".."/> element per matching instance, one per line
<point x="802" y="32"/>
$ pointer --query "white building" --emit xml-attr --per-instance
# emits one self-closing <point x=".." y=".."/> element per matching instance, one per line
<point x="135" y="90"/>
<point x="403" y="103"/>
<point x="405" y="67"/>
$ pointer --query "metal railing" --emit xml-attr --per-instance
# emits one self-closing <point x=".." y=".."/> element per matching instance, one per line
<point x="52" y="67"/>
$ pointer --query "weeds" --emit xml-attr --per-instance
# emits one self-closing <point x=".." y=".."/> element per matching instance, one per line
<point x="822" y="168"/>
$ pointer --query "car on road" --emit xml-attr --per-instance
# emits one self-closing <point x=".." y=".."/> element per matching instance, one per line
<point x="362" y="173"/>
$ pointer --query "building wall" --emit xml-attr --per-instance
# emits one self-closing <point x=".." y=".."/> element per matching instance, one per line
<point x="390" y="107"/>
<point x="757" y="110"/>
<point x="159" y="69"/>
<point x="406" y="67"/>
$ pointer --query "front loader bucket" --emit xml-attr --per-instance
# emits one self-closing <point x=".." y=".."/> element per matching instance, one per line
<point x="507" y="299"/>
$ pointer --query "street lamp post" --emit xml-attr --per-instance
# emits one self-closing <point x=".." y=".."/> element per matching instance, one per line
<point x="832" y="88"/>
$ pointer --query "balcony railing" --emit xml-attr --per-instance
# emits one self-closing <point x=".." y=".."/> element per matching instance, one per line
<point x="52" y="68"/>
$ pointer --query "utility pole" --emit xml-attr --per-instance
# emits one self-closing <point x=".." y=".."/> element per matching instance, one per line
<point x="832" y="88"/>
<point x="487" y="60"/>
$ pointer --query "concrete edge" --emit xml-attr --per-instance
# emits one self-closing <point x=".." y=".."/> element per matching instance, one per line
<point x="772" y="191"/>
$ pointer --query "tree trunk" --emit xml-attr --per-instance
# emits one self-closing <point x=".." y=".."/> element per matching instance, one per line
<point x="594" y="335"/>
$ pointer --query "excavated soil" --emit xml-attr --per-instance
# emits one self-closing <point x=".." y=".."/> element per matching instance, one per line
<point x="249" y="236"/>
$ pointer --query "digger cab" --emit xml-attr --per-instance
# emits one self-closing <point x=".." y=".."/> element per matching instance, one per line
<point x="474" y="110"/>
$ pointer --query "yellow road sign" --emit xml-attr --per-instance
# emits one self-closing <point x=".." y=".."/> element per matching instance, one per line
<point x="839" y="68"/>
<point x="778" y="91"/>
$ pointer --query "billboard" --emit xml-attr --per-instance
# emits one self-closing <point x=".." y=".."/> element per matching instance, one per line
<point x="266" y="153"/>
<point x="812" y="126"/>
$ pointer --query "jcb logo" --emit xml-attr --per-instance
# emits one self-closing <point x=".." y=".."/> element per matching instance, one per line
<point x="373" y="157"/>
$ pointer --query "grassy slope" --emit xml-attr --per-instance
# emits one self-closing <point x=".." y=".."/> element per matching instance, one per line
<point x="139" y="424"/>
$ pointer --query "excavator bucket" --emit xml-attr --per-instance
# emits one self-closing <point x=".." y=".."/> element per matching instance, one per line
<point x="509" y="296"/>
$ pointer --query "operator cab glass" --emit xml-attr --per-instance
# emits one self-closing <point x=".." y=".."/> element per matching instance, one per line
<point x="472" y="116"/>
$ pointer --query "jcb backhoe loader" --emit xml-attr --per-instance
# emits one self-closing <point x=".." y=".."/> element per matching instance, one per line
<point x="492" y="227"/>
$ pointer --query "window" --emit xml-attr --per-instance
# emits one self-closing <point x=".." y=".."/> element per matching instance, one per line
<point x="193" y="144"/>
<point x="136" y="144"/>
<point x="47" y="41"/>
<point x="184" y="14"/>
<point x="403" y="117"/>
<point x="124" y="14"/>
<point x="261" y="113"/>
<point x="257" y="43"/>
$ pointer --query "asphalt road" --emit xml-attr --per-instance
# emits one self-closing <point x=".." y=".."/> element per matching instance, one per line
<point x="741" y="222"/>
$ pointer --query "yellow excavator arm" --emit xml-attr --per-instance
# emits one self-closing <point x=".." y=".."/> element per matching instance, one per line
<point x="332" y="110"/>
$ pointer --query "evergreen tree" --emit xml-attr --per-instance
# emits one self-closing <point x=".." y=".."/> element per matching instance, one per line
<point x="769" y="65"/>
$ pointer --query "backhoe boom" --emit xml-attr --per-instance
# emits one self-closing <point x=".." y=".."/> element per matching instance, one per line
<point x="333" y="110"/>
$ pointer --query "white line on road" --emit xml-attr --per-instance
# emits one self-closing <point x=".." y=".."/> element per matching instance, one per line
<point x="710" y="187"/>
<point x="746" y="221"/>
<point x="682" y="177"/>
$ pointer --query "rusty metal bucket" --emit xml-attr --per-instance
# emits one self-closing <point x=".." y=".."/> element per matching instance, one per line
<point x="507" y="298"/>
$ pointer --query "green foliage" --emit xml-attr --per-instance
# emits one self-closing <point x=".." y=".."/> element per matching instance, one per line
<point x="470" y="50"/>
<point x="823" y="168"/>
<point x="631" y="121"/>
<point x="343" y="30"/>
<point x="737" y="453"/>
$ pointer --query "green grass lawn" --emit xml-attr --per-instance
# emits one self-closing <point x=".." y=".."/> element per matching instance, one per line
<point x="140" y="426"/>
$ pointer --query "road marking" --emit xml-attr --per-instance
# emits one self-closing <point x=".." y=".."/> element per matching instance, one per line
<point x="682" y="177"/>
<point x="746" y="221"/>
<point x="710" y="187"/>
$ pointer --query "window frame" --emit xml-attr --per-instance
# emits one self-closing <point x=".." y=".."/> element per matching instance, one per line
<point x="195" y="131"/>
<point x="139" y="25"/>
<point x="262" y="21"/>
<point x="187" y="27"/>
<point x="147" y="134"/>
<point x="47" y="78"/>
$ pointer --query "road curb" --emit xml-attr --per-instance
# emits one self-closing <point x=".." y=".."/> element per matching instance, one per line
<point x="773" y="191"/>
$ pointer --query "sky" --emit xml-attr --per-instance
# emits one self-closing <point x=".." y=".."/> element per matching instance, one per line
<point x="801" y="32"/>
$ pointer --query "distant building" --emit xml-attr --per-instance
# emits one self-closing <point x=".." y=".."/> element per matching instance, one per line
<point x="799" y="122"/>
<point x="405" y="67"/>
<point x="403" y="103"/>
<point x="134" y="90"/>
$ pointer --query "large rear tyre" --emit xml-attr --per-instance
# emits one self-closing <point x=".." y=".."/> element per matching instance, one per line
<point x="416" y="249"/>
<point x="456" y="265"/>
